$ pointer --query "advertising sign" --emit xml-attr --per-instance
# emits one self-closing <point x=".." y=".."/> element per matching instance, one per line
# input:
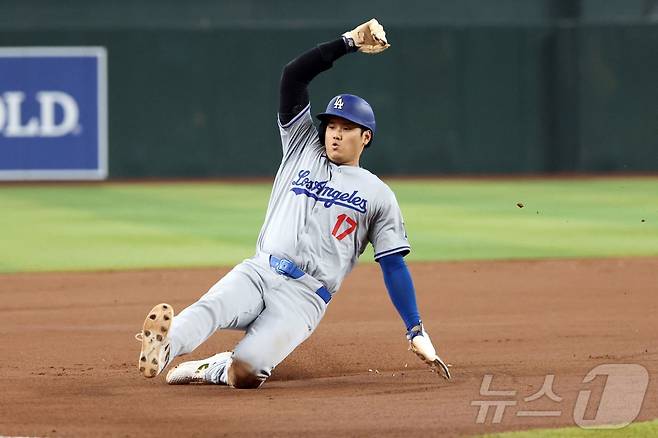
<point x="53" y="113"/>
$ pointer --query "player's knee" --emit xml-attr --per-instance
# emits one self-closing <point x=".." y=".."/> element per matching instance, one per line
<point x="242" y="375"/>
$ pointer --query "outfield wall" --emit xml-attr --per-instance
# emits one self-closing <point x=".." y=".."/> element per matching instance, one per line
<point x="462" y="94"/>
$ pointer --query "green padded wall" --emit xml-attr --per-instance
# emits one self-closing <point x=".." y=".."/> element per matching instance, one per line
<point x="512" y="89"/>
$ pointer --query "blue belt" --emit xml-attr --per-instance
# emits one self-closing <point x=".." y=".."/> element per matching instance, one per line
<point x="289" y="269"/>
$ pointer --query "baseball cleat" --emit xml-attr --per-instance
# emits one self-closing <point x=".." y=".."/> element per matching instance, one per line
<point x="199" y="371"/>
<point x="156" y="353"/>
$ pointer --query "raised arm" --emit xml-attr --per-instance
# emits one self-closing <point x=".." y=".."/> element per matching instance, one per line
<point x="298" y="73"/>
<point x="369" y="37"/>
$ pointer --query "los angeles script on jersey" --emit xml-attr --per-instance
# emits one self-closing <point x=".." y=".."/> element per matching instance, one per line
<point x="320" y="191"/>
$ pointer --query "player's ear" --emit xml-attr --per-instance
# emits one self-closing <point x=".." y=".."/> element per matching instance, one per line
<point x="366" y="136"/>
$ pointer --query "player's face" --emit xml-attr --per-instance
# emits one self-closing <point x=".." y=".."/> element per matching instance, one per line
<point x="344" y="141"/>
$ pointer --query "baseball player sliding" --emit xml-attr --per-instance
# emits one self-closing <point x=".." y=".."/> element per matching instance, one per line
<point x="323" y="211"/>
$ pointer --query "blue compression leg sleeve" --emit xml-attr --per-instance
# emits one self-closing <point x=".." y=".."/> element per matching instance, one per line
<point x="400" y="288"/>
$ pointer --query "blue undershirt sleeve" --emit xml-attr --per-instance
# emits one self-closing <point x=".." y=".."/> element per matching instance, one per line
<point x="400" y="288"/>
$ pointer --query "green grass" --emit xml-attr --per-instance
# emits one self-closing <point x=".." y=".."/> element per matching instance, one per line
<point x="117" y="226"/>
<point x="637" y="430"/>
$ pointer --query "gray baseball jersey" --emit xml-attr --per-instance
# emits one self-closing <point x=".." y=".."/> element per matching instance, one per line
<point x="322" y="216"/>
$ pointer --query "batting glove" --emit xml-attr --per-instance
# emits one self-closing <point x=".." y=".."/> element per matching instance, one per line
<point x="369" y="37"/>
<point x="421" y="344"/>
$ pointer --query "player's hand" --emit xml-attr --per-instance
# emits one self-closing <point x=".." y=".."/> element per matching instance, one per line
<point x="420" y="343"/>
<point x="369" y="37"/>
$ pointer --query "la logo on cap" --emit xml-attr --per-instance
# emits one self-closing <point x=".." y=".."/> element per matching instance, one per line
<point x="339" y="103"/>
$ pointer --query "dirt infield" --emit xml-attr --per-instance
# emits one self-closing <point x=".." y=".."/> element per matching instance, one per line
<point x="69" y="359"/>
